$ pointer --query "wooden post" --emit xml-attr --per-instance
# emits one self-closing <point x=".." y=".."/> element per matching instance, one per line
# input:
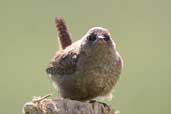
<point x="43" y="105"/>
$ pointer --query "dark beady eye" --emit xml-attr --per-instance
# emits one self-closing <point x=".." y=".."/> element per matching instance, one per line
<point x="92" y="37"/>
<point x="106" y="37"/>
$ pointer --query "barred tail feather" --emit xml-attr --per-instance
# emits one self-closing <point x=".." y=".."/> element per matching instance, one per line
<point x="63" y="33"/>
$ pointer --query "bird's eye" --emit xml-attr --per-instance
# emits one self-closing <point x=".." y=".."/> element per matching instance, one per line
<point x="92" y="37"/>
<point x="106" y="38"/>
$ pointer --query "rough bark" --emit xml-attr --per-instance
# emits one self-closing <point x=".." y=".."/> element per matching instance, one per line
<point x="44" y="105"/>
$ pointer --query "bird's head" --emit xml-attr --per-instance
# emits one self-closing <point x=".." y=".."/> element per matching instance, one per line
<point x="97" y="39"/>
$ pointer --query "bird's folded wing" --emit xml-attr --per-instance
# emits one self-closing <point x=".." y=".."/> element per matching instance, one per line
<point x="63" y="63"/>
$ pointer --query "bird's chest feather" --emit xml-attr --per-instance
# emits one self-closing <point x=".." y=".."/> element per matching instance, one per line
<point x="97" y="65"/>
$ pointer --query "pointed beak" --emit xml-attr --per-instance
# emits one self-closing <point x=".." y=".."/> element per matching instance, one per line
<point x="100" y="39"/>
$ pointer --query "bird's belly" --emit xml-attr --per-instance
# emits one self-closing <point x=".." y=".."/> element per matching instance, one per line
<point x="100" y="81"/>
<point x="88" y="84"/>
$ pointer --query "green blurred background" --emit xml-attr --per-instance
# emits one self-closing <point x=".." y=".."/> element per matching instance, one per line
<point x="141" y="29"/>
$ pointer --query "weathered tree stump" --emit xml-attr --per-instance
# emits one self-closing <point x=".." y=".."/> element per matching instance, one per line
<point x="65" y="106"/>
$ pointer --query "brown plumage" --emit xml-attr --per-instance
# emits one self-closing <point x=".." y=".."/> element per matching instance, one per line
<point x="63" y="32"/>
<point x="88" y="68"/>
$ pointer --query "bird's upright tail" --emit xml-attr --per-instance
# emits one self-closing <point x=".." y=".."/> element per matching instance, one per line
<point x="63" y="32"/>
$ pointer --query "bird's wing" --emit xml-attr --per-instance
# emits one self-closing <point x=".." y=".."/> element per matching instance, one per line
<point x="64" y="63"/>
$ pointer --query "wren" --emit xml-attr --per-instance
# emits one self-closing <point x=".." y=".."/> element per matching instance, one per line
<point x="87" y="68"/>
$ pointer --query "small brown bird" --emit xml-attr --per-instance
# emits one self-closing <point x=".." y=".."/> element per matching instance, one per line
<point x="87" y="68"/>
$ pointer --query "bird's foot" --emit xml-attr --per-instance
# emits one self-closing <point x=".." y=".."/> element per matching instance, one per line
<point x="92" y="101"/>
